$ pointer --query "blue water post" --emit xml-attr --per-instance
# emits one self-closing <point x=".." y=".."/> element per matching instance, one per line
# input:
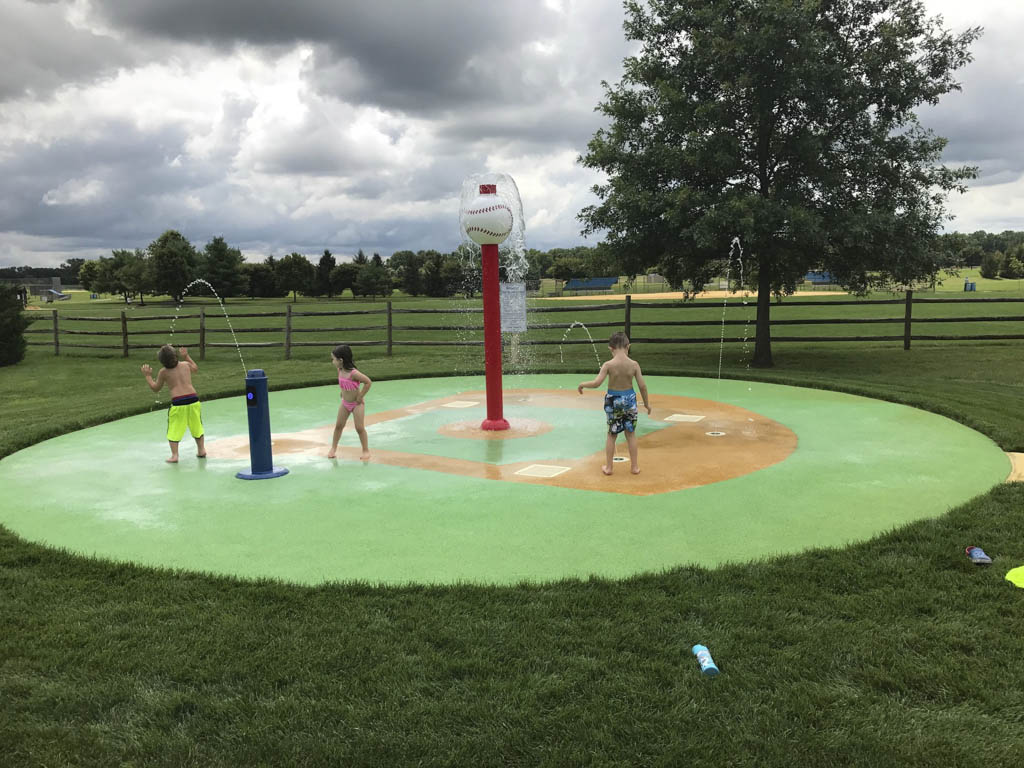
<point x="260" y="454"/>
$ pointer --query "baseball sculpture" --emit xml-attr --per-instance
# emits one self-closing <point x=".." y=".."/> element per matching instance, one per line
<point x="488" y="219"/>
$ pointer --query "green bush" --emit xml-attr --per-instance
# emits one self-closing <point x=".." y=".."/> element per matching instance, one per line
<point x="12" y="327"/>
<point x="990" y="264"/>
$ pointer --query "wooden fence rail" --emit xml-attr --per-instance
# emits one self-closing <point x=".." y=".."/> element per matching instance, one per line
<point x="199" y="336"/>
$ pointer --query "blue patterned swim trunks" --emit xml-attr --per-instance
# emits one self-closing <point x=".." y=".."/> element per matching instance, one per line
<point x="620" y="408"/>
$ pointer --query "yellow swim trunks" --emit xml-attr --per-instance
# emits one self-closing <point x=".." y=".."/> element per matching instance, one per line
<point x="184" y="412"/>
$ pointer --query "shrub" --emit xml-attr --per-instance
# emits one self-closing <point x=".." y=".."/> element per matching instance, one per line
<point x="12" y="327"/>
<point x="990" y="263"/>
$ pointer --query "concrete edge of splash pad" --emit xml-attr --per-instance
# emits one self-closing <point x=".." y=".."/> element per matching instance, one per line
<point x="859" y="467"/>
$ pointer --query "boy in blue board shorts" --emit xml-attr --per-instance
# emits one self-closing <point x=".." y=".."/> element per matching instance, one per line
<point x="620" y="401"/>
<point x="185" y="410"/>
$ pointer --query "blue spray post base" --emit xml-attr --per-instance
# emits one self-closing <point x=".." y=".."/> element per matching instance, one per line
<point x="256" y="405"/>
<point x="275" y="472"/>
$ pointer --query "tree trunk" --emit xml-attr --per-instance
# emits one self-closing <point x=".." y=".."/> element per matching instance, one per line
<point x="763" y="337"/>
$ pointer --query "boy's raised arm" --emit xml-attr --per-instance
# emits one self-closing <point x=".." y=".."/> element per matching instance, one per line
<point x="183" y="354"/>
<point x="147" y="371"/>
<point x="595" y="382"/>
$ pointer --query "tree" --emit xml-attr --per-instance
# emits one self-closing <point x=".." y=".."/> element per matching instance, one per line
<point x="135" y="274"/>
<point x="567" y="267"/>
<point x="295" y="273"/>
<point x="373" y="280"/>
<point x="360" y="258"/>
<point x="376" y="260"/>
<point x="69" y="271"/>
<point x="433" y="280"/>
<point x="174" y="263"/>
<point x="124" y="272"/>
<point x="990" y="263"/>
<point x="12" y="327"/>
<point x="788" y="124"/>
<point x="88" y="273"/>
<point x="262" y="279"/>
<point x="223" y="268"/>
<point x="405" y="267"/>
<point x="1010" y="266"/>
<point x="344" y="276"/>
<point x="323" y="285"/>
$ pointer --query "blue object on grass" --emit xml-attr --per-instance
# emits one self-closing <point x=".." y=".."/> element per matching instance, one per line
<point x="978" y="556"/>
<point x="707" y="664"/>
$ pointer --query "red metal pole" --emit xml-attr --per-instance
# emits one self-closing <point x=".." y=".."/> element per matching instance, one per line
<point x="492" y="338"/>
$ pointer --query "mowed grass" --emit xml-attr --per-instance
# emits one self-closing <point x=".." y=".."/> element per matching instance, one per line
<point x="892" y="652"/>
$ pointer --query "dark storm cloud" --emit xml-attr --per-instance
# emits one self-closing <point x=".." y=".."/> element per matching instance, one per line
<point x="981" y="120"/>
<point x="41" y="51"/>
<point x="409" y="55"/>
<point x="132" y="169"/>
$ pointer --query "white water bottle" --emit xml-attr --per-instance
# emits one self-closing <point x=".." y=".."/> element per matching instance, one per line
<point x="707" y="664"/>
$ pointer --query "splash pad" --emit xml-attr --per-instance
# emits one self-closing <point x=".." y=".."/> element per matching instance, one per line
<point x="438" y="503"/>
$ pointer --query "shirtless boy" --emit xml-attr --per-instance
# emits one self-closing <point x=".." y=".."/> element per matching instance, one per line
<point x="184" y="410"/>
<point x="620" y="401"/>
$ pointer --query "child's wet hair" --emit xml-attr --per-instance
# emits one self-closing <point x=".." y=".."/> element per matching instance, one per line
<point x="619" y="340"/>
<point x="167" y="356"/>
<point x="343" y="352"/>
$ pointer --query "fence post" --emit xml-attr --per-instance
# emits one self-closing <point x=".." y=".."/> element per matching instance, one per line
<point x="288" y="332"/>
<point x="202" y="333"/>
<point x="389" y="330"/>
<point x="124" y="334"/>
<point x="56" y="334"/>
<point x="627" y="324"/>
<point x="906" y="320"/>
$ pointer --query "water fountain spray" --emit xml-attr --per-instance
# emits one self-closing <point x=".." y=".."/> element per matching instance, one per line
<point x="261" y="460"/>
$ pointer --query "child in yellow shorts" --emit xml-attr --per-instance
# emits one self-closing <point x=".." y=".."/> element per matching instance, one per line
<point x="185" y="409"/>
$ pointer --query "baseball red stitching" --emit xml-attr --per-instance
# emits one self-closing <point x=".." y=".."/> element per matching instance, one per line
<point x="489" y="209"/>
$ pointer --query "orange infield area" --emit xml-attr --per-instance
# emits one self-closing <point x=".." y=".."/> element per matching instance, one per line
<point x="698" y="442"/>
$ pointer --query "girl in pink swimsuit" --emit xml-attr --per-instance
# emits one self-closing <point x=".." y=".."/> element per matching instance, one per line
<point x="349" y="380"/>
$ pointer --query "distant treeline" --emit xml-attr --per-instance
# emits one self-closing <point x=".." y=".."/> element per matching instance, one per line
<point x="168" y="264"/>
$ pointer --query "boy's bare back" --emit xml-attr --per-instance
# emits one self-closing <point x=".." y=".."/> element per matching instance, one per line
<point x="178" y="379"/>
<point x="621" y="370"/>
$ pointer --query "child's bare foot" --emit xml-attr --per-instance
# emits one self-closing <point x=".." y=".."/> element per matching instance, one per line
<point x="364" y="456"/>
<point x="200" y="455"/>
<point x="606" y="469"/>
<point x="172" y="460"/>
<point x="635" y="470"/>
<point x="332" y="454"/>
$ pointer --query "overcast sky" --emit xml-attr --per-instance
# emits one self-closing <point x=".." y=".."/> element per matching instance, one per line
<point x="346" y="124"/>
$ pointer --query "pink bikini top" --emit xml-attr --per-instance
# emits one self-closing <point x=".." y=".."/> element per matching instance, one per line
<point x="345" y="382"/>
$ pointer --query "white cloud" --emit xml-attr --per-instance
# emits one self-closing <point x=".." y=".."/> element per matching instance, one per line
<point x="74" y="192"/>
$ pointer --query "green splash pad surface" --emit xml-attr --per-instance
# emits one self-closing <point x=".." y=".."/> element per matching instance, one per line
<point x="861" y="467"/>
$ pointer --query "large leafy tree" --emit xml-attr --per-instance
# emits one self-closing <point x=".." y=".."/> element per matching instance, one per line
<point x="322" y="285"/>
<point x="174" y="261"/>
<point x="295" y="273"/>
<point x="788" y="123"/>
<point x="344" y="276"/>
<point x="223" y="268"/>
<point x="373" y="280"/>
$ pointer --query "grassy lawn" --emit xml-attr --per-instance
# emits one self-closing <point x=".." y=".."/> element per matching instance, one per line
<point x="893" y="652"/>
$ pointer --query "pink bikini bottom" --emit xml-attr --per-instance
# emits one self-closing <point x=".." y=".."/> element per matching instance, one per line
<point x="349" y="406"/>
